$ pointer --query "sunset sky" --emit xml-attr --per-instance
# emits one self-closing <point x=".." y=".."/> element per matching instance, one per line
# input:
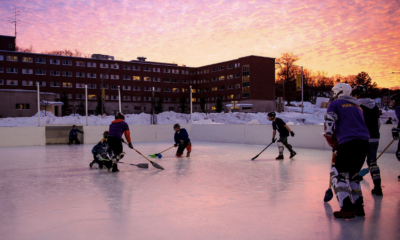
<point x="339" y="37"/>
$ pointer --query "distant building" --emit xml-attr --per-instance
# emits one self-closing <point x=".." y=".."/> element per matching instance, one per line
<point x="7" y="43"/>
<point x="246" y="80"/>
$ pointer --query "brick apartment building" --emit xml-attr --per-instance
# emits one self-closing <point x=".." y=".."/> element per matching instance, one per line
<point x="247" y="80"/>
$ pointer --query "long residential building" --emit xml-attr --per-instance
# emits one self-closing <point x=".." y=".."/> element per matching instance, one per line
<point x="248" y="81"/>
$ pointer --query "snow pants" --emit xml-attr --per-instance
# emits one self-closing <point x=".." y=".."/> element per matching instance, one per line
<point x="71" y="140"/>
<point x="372" y="163"/>
<point x="181" y="148"/>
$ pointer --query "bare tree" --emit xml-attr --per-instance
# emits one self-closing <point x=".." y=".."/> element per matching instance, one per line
<point x="26" y="50"/>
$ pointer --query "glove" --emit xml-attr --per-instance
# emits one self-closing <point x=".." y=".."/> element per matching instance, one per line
<point x="331" y="140"/>
<point x="130" y="145"/>
<point x="99" y="157"/>
<point x="175" y="145"/>
<point x="292" y="133"/>
<point x="122" y="140"/>
<point x="273" y="140"/>
<point x="395" y="133"/>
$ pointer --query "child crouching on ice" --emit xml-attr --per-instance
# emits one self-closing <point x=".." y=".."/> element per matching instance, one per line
<point x="182" y="140"/>
<point x="100" y="151"/>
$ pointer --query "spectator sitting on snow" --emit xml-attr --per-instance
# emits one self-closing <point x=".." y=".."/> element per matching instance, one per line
<point x="389" y="121"/>
<point x="73" y="135"/>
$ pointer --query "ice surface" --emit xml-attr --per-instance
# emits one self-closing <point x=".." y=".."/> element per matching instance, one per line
<point x="49" y="192"/>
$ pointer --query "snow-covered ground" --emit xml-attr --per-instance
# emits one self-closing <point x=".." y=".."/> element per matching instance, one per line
<point x="292" y="116"/>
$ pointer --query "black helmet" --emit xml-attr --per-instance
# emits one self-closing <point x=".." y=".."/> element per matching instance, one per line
<point x="360" y="91"/>
<point x="177" y="125"/>
<point x="271" y="114"/>
<point x="105" y="134"/>
<point x="73" y="126"/>
<point x="395" y="98"/>
<point x="119" y="115"/>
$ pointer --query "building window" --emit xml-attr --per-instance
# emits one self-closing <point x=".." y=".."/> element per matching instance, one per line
<point x="167" y="80"/>
<point x="237" y="96"/>
<point x="41" y="60"/>
<point x="54" y="73"/>
<point x="167" y="99"/>
<point x="69" y="96"/>
<point x="67" y="85"/>
<point x="221" y="88"/>
<point x="147" y="99"/>
<point x="103" y="65"/>
<point x="147" y="69"/>
<point x="206" y="89"/>
<point x="199" y="72"/>
<point x="237" y="85"/>
<point x="157" y="89"/>
<point x="105" y="86"/>
<point x="12" y="58"/>
<point x="171" y="108"/>
<point x="175" y="80"/>
<point x="237" y="75"/>
<point x="12" y="70"/>
<point x="91" y="64"/>
<point x="114" y="76"/>
<point x="147" y="79"/>
<point x="246" y="71"/>
<point x="67" y="74"/>
<point x="1" y="57"/>
<point x="40" y="72"/>
<point x="10" y="45"/>
<point x="92" y="97"/>
<point x="246" y="95"/>
<point x="167" y="89"/>
<point x="12" y="82"/>
<point x="126" y="67"/>
<point x="230" y="87"/>
<point x="156" y="69"/>
<point x="27" y="83"/>
<point x="221" y="78"/>
<point x="1" y="81"/>
<point x="114" y="87"/>
<point x="115" y="66"/>
<point x="1" y="69"/>
<point x="92" y="86"/>
<point x="135" y="88"/>
<point x="220" y="68"/>
<point x="230" y="76"/>
<point x="55" y="84"/>
<point x="156" y="79"/>
<point x="193" y="99"/>
<point x="230" y="66"/>
<point x="135" y="68"/>
<point x="41" y="83"/>
<point x="237" y="65"/>
<point x="230" y="97"/>
<point x="213" y="79"/>
<point x="126" y="77"/>
<point x="80" y="74"/>
<point x="185" y="90"/>
<point x="58" y="96"/>
<point x="214" y="89"/>
<point x="27" y="59"/>
<point x="27" y="71"/>
<point x="193" y="90"/>
<point x="67" y="62"/>
<point x="147" y="89"/>
<point x="80" y="63"/>
<point x="126" y="98"/>
<point x="136" y="78"/>
<point x="91" y="75"/>
<point x="184" y="81"/>
<point x="214" y="69"/>
<point x="22" y="106"/>
<point x="166" y="70"/>
<point x="55" y="61"/>
<point x="126" y="88"/>
<point x="103" y="76"/>
<point x="185" y="72"/>
<point x="137" y="108"/>
<point x="192" y="72"/>
<point x="175" y="71"/>
<point x="80" y="96"/>
<point x="175" y="90"/>
<point x="80" y="85"/>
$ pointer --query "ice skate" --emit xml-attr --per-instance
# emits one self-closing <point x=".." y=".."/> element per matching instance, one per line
<point x="377" y="191"/>
<point x="188" y="154"/>
<point x="280" y="157"/>
<point x="292" y="154"/>
<point x="115" y="168"/>
<point x="91" y="165"/>
<point x="344" y="214"/>
<point x="359" y="207"/>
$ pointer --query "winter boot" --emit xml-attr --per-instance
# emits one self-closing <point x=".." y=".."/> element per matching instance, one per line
<point x="115" y="168"/>
<point x="292" y="154"/>
<point x="100" y="164"/>
<point x="398" y="177"/>
<point x="280" y="157"/>
<point x="108" y="165"/>
<point x="91" y="164"/>
<point x="377" y="191"/>
<point x="188" y="154"/>
<point x="346" y="211"/>
<point x="359" y="207"/>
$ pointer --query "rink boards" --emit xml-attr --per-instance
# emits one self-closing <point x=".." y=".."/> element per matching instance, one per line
<point x="306" y="136"/>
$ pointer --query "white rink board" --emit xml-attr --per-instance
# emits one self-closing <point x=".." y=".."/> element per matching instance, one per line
<point x="306" y="136"/>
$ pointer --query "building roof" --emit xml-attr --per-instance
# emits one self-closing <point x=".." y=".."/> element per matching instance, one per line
<point x="7" y="36"/>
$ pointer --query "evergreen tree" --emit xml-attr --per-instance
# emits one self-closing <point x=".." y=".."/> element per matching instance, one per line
<point x="98" y="107"/>
<point x="66" y="108"/>
<point x="203" y="104"/>
<point x="81" y="109"/>
<point x="183" y="105"/>
<point x="219" y="107"/>
<point x="158" y="108"/>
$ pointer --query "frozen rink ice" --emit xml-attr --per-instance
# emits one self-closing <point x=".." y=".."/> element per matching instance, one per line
<point x="49" y="192"/>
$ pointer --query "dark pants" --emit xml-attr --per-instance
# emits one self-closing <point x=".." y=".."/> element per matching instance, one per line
<point x="284" y="142"/>
<point x="181" y="148"/>
<point x="398" y="151"/>
<point x="116" y="145"/>
<point x="71" y="140"/>
<point x="372" y="163"/>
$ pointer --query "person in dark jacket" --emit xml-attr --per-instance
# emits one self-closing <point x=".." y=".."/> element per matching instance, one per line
<point x="117" y="128"/>
<point x="371" y="118"/>
<point x="101" y="151"/>
<point x="389" y="121"/>
<point x="182" y="140"/>
<point x="73" y="135"/>
<point x="284" y="131"/>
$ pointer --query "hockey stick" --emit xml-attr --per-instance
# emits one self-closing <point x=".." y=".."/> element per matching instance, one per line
<point x="262" y="151"/>
<point x="159" y="154"/>
<point x="152" y="163"/>
<point x="140" y="165"/>
<point x="365" y="171"/>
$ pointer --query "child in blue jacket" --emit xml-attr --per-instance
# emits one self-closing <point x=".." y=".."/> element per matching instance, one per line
<point x="182" y="140"/>
<point x="101" y="151"/>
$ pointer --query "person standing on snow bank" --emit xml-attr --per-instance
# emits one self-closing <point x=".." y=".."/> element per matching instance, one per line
<point x="73" y="135"/>
<point x="117" y="128"/>
<point x="371" y="118"/>
<point x="100" y="151"/>
<point x="395" y="102"/>
<point x="182" y="140"/>
<point x="344" y="118"/>
<point x="284" y="130"/>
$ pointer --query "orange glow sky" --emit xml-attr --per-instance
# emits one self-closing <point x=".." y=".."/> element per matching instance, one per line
<point x="339" y="37"/>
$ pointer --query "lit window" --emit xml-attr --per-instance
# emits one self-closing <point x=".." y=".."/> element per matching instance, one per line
<point x="136" y="78"/>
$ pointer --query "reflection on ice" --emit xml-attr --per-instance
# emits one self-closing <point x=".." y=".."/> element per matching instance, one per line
<point x="49" y="192"/>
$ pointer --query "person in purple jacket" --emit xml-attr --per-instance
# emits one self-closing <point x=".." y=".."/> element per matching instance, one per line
<point x="344" y="121"/>
<point x="395" y="102"/>
<point x="117" y="128"/>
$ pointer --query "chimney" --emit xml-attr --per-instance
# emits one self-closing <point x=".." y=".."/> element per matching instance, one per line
<point x="142" y="59"/>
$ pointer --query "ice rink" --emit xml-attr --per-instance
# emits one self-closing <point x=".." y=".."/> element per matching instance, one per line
<point x="49" y="192"/>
